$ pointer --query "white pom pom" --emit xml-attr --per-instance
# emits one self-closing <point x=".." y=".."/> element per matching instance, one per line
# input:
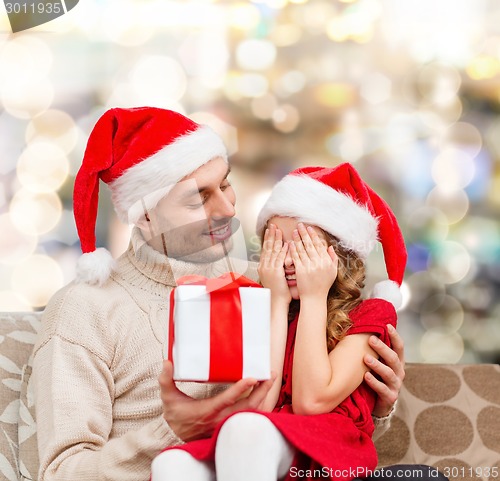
<point x="389" y="291"/>
<point x="95" y="267"/>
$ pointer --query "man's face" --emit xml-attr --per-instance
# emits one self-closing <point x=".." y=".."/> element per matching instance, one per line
<point x="195" y="217"/>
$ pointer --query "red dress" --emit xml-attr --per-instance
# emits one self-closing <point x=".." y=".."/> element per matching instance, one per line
<point x="338" y="443"/>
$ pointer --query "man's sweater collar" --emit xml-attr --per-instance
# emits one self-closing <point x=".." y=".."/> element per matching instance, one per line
<point x="162" y="269"/>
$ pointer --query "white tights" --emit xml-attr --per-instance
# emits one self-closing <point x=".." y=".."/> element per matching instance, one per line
<point x="249" y="447"/>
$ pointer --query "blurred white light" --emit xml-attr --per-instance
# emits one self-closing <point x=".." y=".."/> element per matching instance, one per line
<point x="452" y="170"/>
<point x="432" y="121"/>
<point x="55" y="125"/>
<point x="227" y="132"/>
<point x="243" y="16"/>
<point x="255" y="54"/>
<point x="37" y="279"/>
<point x="448" y="35"/>
<point x="24" y="87"/>
<point x="451" y="112"/>
<point x="355" y="22"/>
<point x="158" y="81"/>
<point x="443" y="312"/>
<point x="131" y="27"/>
<point x="351" y="148"/>
<point x="463" y="136"/>
<point x="338" y="29"/>
<point x="376" y="88"/>
<point x="429" y="222"/>
<point x="450" y="262"/>
<point x="65" y="231"/>
<point x="11" y="301"/>
<point x="483" y="67"/>
<point x="15" y="245"/>
<point x="205" y="55"/>
<point x="438" y="346"/>
<point x="290" y="83"/>
<point x="454" y="204"/>
<point x="11" y="138"/>
<point x="400" y="135"/>
<point x="123" y="95"/>
<point x="25" y="60"/>
<point x="42" y="167"/>
<point x="286" y="118"/>
<point x="35" y="213"/>
<point x="26" y="100"/>
<point x="285" y="34"/>
<point x="439" y="83"/>
<point x="252" y="85"/>
<point x="276" y="4"/>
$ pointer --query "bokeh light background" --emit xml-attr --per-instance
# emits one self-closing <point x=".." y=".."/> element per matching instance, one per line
<point x="407" y="90"/>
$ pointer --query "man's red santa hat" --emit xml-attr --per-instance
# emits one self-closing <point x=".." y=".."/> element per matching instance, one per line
<point x="141" y="153"/>
<point x="338" y="201"/>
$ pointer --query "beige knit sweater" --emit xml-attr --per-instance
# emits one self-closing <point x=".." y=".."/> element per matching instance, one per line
<point x="96" y="369"/>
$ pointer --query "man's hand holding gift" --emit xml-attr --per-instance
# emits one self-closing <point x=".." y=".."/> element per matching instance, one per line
<point x="192" y="419"/>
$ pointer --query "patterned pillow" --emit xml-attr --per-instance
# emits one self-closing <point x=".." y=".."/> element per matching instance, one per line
<point x="448" y="416"/>
<point x="17" y="336"/>
<point x="28" y="448"/>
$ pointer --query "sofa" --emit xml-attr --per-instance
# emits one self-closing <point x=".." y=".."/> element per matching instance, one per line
<point x="447" y="416"/>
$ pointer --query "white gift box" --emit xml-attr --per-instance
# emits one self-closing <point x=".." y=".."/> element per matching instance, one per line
<point x="220" y="332"/>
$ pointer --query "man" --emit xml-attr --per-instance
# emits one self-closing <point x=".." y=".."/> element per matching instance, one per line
<point x="101" y="413"/>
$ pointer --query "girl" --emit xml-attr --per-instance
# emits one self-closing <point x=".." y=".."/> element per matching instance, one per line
<point x="319" y="226"/>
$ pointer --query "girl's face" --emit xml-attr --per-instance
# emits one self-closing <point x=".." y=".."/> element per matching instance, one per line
<point x="287" y="225"/>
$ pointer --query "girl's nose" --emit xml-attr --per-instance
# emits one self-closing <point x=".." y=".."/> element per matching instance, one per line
<point x="288" y="259"/>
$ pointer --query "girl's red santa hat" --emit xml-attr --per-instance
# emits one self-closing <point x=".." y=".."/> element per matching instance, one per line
<point x="341" y="203"/>
<point x="141" y="153"/>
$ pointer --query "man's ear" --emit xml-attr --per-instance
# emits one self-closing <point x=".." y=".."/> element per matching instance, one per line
<point x="144" y="222"/>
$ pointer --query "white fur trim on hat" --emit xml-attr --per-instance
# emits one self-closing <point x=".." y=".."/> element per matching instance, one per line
<point x="160" y="171"/>
<point x="313" y="202"/>
<point x="389" y="291"/>
<point x="95" y="267"/>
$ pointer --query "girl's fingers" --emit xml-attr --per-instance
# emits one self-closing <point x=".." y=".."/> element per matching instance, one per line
<point x="333" y="255"/>
<point x="265" y="252"/>
<point x="306" y="240"/>
<point x="280" y="258"/>
<point x="278" y="242"/>
<point x="294" y="253"/>
<point x="319" y="244"/>
<point x="269" y="239"/>
<point x="265" y="242"/>
<point x="272" y="232"/>
<point x="299" y="246"/>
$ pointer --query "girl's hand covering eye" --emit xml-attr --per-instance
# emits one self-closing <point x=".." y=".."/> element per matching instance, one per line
<point x="272" y="259"/>
<point x="315" y="263"/>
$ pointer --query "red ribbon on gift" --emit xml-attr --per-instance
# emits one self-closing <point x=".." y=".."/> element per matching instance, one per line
<point x="226" y="335"/>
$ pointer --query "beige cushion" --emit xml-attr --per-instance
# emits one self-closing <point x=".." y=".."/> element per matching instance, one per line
<point x="448" y="416"/>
